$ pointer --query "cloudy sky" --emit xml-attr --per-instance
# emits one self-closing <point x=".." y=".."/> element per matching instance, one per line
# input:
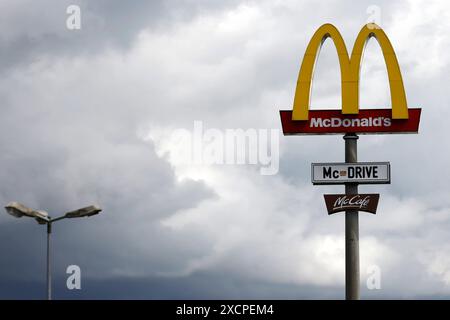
<point x="88" y="115"/>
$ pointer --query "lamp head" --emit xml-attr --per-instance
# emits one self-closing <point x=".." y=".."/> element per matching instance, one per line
<point x="84" y="212"/>
<point x="19" y="210"/>
<point x="16" y="209"/>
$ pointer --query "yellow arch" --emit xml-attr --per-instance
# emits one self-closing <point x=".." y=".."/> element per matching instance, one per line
<point x="350" y="68"/>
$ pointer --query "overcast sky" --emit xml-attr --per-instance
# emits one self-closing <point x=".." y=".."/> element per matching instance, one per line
<point x="87" y="117"/>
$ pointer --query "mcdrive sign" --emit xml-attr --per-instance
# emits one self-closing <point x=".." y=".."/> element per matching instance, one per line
<point x="361" y="172"/>
<point x="301" y="120"/>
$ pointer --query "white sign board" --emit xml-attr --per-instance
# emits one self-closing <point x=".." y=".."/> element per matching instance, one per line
<point x="361" y="172"/>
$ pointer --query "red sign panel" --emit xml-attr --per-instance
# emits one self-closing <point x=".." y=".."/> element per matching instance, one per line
<point x="369" y="121"/>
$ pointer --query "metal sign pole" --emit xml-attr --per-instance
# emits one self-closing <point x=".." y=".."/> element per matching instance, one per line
<point x="351" y="227"/>
<point x="49" y="277"/>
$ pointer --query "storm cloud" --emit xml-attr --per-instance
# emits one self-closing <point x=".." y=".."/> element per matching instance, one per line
<point x="87" y="115"/>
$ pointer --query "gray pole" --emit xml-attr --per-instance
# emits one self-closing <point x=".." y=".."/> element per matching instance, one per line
<point x="351" y="227"/>
<point x="49" y="278"/>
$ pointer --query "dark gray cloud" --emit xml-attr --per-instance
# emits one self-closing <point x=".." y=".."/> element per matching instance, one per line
<point x="197" y="286"/>
<point x="33" y="31"/>
<point x="60" y="156"/>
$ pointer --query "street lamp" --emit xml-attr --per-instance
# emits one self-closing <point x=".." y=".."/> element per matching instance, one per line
<point x="18" y="210"/>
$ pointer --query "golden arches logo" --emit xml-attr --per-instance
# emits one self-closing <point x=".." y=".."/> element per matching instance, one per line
<point x="350" y="68"/>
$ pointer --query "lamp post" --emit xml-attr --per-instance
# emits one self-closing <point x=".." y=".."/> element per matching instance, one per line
<point x="18" y="210"/>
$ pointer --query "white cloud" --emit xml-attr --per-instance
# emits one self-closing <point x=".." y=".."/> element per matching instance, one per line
<point x="86" y="118"/>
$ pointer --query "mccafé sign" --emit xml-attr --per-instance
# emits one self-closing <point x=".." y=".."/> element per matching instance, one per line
<point x="342" y="202"/>
<point x="350" y="119"/>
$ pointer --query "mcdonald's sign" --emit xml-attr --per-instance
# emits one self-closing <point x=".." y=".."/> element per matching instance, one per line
<point x="301" y="120"/>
